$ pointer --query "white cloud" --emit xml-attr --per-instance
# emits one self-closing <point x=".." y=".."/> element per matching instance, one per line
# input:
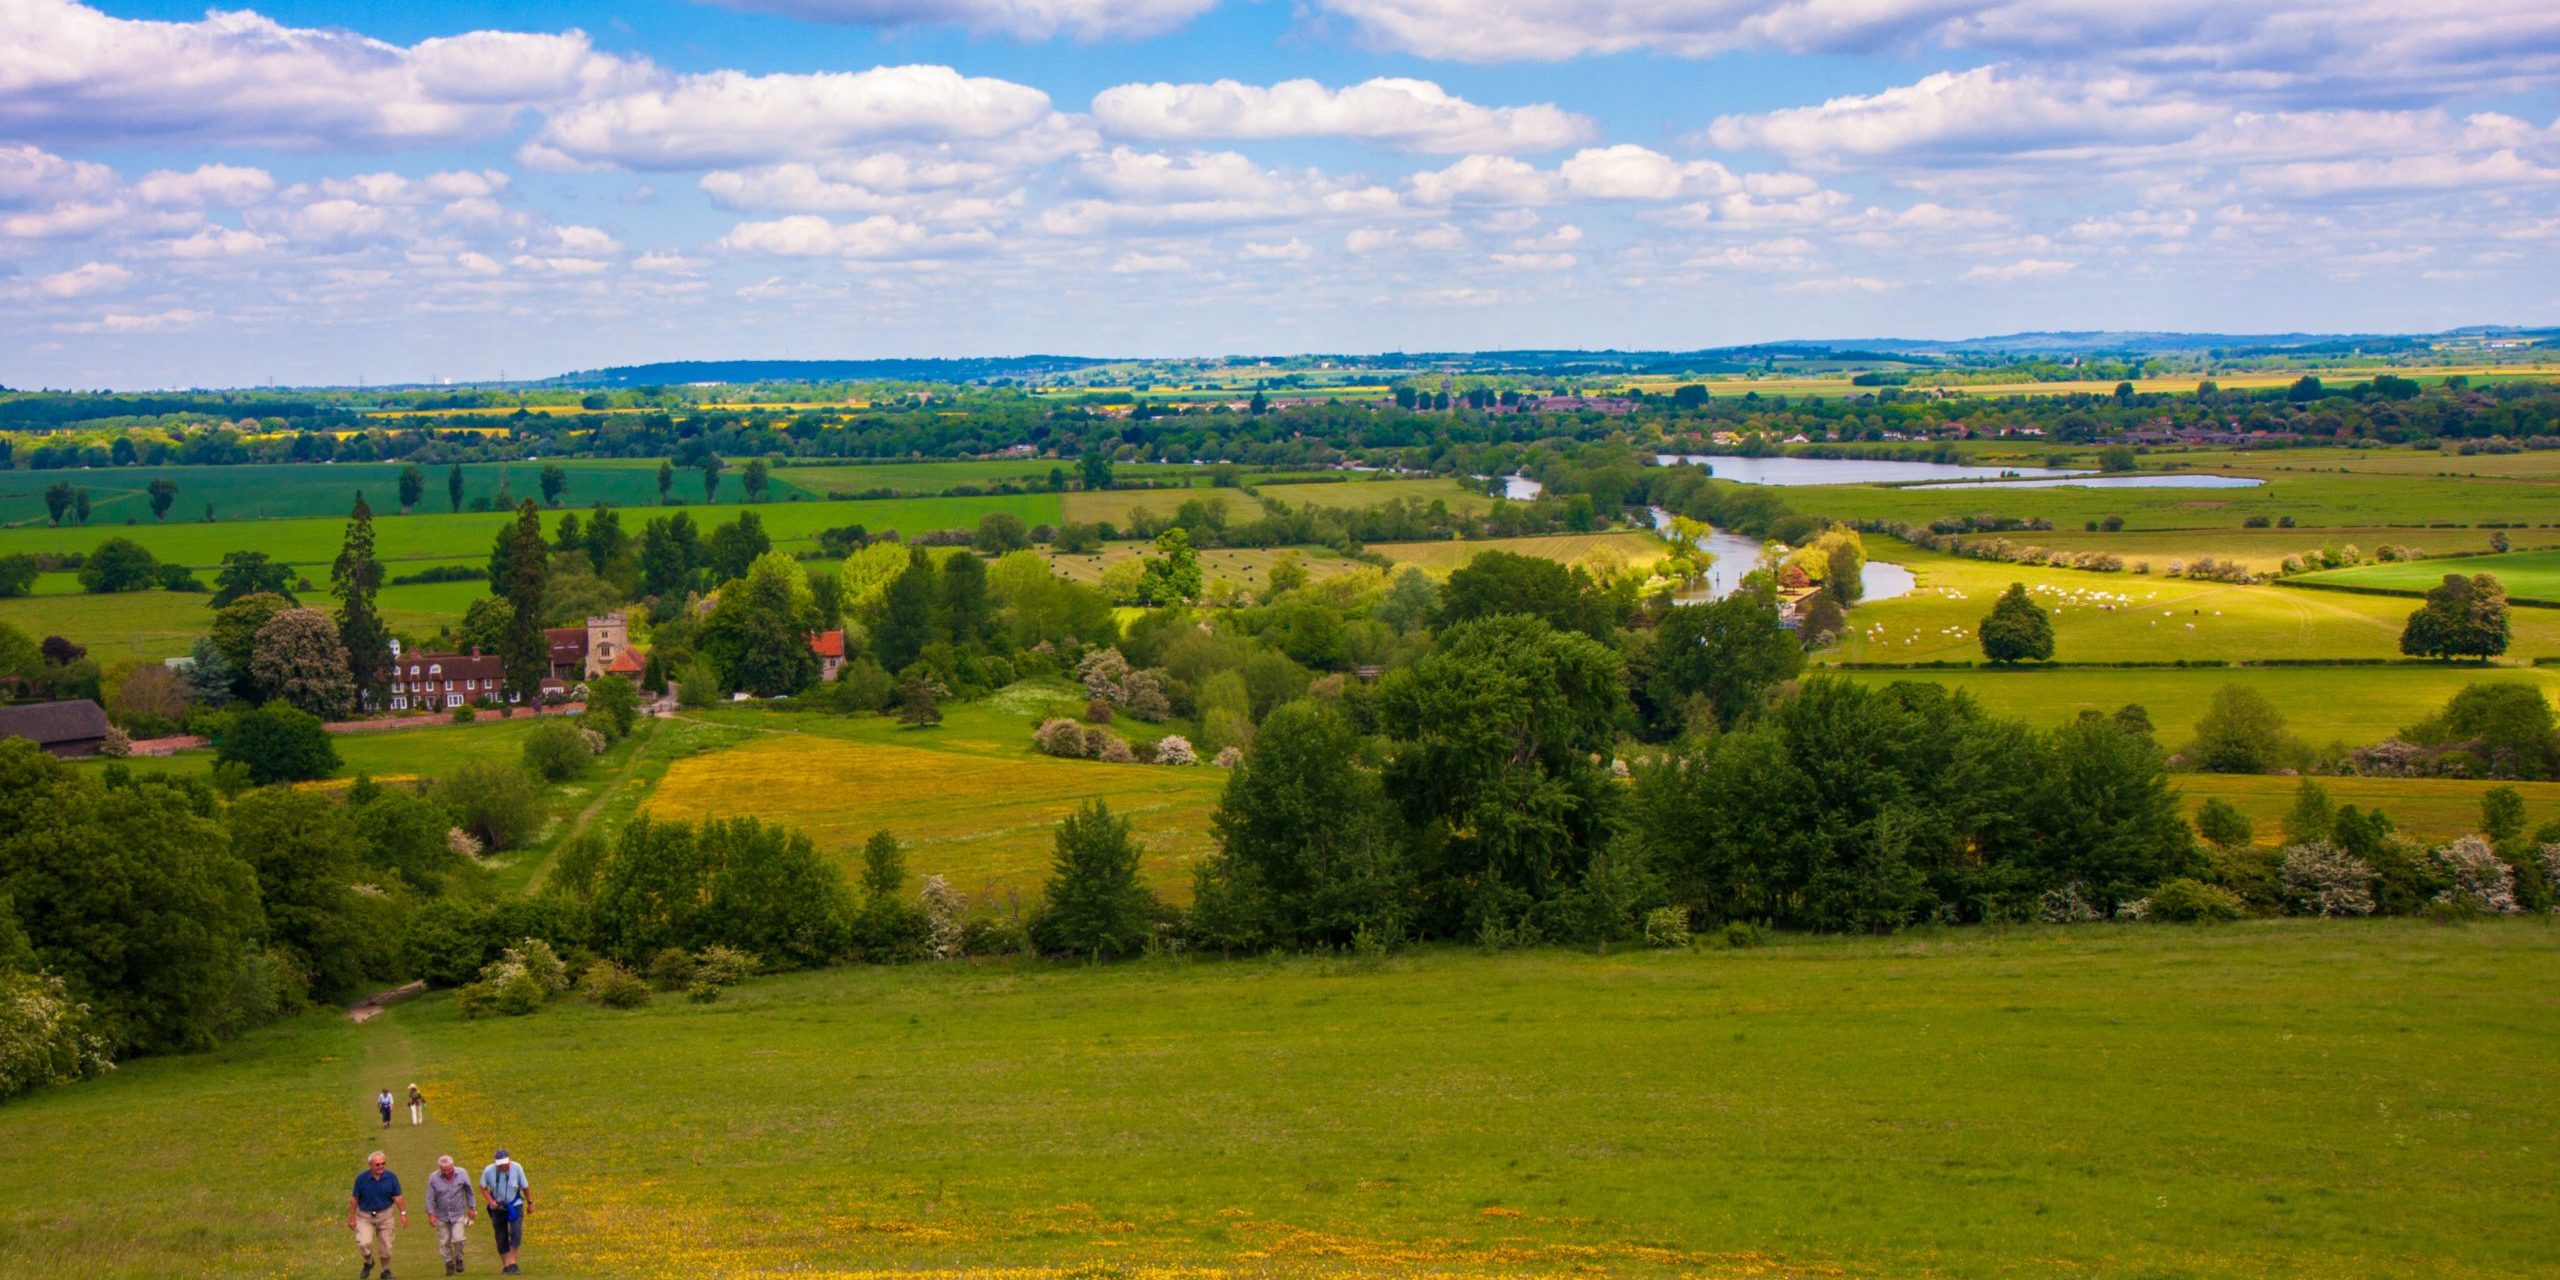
<point x="1136" y="263"/>
<point x="138" y="322"/>
<point x="1534" y="261"/>
<point x="1482" y="179"/>
<point x="1292" y="249"/>
<point x="2022" y="269"/>
<point x="1837" y="284"/>
<point x="68" y="71"/>
<point x="728" y="118"/>
<point x="31" y="175"/>
<point x="223" y="184"/>
<point x="1984" y="110"/>
<point x="879" y="237"/>
<point x="1033" y="19"/>
<point x="83" y="280"/>
<point x="217" y="242"/>
<point x="1411" y="115"/>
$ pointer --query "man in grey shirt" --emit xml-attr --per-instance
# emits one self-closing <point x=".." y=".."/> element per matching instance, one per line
<point x="450" y="1207"/>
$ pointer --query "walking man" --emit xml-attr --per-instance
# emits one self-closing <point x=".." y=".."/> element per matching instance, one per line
<point x="510" y="1197"/>
<point x="417" y="1107"/>
<point x="383" y="1100"/>
<point x="374" y="1212"/>
<point x="450" y="1208"/>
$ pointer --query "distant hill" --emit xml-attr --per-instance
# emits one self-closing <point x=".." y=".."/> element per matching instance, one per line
<point x="675" y="373"/>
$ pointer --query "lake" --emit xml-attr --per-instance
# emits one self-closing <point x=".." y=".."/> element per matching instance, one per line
<point x="1808" y="471"/>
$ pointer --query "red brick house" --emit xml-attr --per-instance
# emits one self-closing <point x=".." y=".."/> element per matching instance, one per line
<point x="437" y="681"/>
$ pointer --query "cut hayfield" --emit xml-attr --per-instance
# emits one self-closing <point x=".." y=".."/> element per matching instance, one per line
<point x="1612" y="549"/>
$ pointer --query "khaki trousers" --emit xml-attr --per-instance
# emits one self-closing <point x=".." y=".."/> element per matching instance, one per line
<point x="377" y="1226"/>
<point x="449" y="1238"/>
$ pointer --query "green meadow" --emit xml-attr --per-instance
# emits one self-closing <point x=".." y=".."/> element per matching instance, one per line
<point x="2283" y="1099"/>
<point x="2527" y="575"/>
<point x="271" y="491"/>
<point x="2312" y="500"/>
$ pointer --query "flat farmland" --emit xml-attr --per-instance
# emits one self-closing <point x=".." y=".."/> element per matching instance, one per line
<point x="2128" y="617"/>
<point x="975" y="803"/>
<point x="2263" y="550"/>
<point x="270" y="491"/>
<point x="2527" y="575"/>
<point x="1378" y="493"/>
<point x="1615" y="549"/>
<point x="1250" y="566"/>
<point x="2430" y="809"/>
<point x="2527" y="464"/>
<point x="2283" y="1100"/>
<point x="2313" y="501"/>
<point x="1112" y="506"/>
<point x="792" y="525"/>
<point x="2321" y="705"/>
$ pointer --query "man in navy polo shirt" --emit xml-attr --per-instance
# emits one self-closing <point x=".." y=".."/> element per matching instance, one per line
<point x="374" y="1212"/>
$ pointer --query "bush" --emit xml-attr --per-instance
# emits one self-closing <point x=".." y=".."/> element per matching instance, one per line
<point x="46" y="1037"/>
<point x="1174" y="749"/>
<point x="1740" y="934"/>
<point x="536" y="958"/>
<point x="612" y="986"/>
<point x="702" y="992"/>
<point x="1667" y="927"/>
<point x="464" y="714"/>
<point x="723" y="966"/>
<point x="557" y="751"/>
<point x="497" y="803"/>
<point x="1115" y="751"/>
<point x="992" y="936"/>
<point x="2481" y="880"/>
<point x="2321" y="880"/>
<point x="2185" y="901"/>
<point x="520" y="994"/>
<point x="277" y="743"/>
<point x="1060" y="737"/>
<point x="117" y="745"/>
<point x="1230" y="757"/>
<point x="1096" y="711"/>
<point x="671" y="969"/>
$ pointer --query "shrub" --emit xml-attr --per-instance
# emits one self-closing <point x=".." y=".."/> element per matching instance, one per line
<point x="2185" y="901"/>
<point x="723" y="966"/>
<point x="1230" y="757"/>
<point x="46" y="1037"/>
<point x="1174" y="749"/>
<point x="702" y="992"/>
<point x="1060" y="737"/>
<point x="557" y="751"/>
<point x="2482" y="881"/>
<point x="1096" y="711"/>
<point x="671" y="969"/>
<point x="2064" y="904"/>
<point x="464" y="714"/>
<point x="117" y="745"/>
<point x="520" y="994"/>
<point x="277" y="743"/>
<point x="1115" y="751"/>
<point x="536" y="958"/>
<point x="498" y="803"/>
<point x="992" y="936"/>
<point x="1667" y="927"/>
<point x="1740" y="934"/>
<point x="2322" y="880"/>
<point x="945" y="924"/>
<point x="613" y="986"/>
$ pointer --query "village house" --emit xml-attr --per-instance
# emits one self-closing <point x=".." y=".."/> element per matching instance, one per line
<point x="829" y="646"/>
<point x="580" y="654"/>
<point x="423" y="681"/>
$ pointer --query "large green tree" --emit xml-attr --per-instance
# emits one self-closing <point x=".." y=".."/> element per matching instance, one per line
<point x="2017" y="629"/>
<point x="759" y="632"/>
<point x="524" y="652"/>
<point x="1308" y="850"/>
<point x="1731" y="654"/>
<point x="354" y="579"/>
<point x="298" y="660"/>
<point x="1095" y="904"/>
<point x="2462" y="618"/>
<point x="248" y="573"/>
<point x="304" y="850"/>
<point x="903" y="618"/>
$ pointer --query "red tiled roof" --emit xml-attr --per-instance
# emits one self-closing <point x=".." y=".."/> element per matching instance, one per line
<point x="827" y="644"/>
<point x="625" y="663"/>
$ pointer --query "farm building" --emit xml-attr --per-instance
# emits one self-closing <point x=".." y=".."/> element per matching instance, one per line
<point x="829" y="646"/>
<point x="67" y="729"/>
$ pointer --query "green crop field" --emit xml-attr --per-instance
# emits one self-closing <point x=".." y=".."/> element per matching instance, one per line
<point x="2527" y="575"/>
<point x="2530" y="464"/>
<point x="2321" y="705"/>
<point x="2429" y="809"/>
<point x="2128" y="617"/>
<point x="1114" y="505"/>
<point x="1373" y="493"/>
<point x="2328" y="1101"/>
<point x="2312" y="500"/>
<point x="792" y="525"/>
<point x="268" y="491"/>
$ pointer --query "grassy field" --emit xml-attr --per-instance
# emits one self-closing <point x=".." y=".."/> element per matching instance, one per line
<point x="2528" y="575"/>
<point x="1114" y="505"/>
<point x="2354" y="705"/>
<point x="2313" y="500"/>
<point x="1569" y="548"/>
<point x="2263" y="550"/>
<point x="2379" y="1102"/>
<point x="2532" y="464"/>
<point x="2125" y="617"/>
<point x="1376" y="493"/>
<point x="977" y="805"/>
<point x="1250" y="566"/>
<point x="2429" y="809"/>
<point x="159" y="624"/>
<point x="268" y="491"/>
<point x="424" y="537"/>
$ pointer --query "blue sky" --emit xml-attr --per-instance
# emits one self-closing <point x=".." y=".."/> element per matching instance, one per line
<point x="332" y="192"/>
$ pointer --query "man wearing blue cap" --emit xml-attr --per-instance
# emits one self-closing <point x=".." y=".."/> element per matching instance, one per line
<point x="510" y="1197"/>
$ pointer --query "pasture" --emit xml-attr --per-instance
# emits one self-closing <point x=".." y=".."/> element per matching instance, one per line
<point x="162" y="624"/>
<point x="1459" y="495"/>
<point x="1246" y="566"/>
<point x="2527" y="575"/>
<point x="1114" y="506"/>
<point x="1991" y="1104"/>
<point x="977" y="805"/>
<point x="284" y="490"/>
<point x="2314" y="501"/>
<point x="2129" y="617"/>
<point x="2429" y="809"/>
<point x="2264" y="550"/>
<point x="2321" y="705"/>
<point x="1613" y="550"/>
